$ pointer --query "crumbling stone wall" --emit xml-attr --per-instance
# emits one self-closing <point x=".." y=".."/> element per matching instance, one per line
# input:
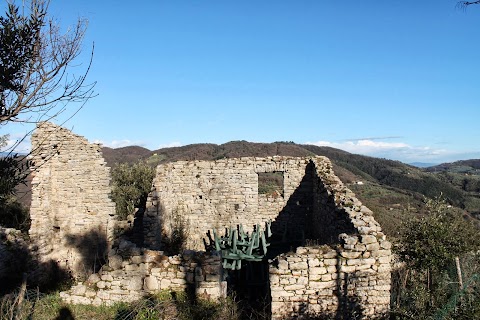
<point x="71" y="212"/>
<point x="202" y="195"/>
<point x="133" y="273"/>
<point x="73" y="221"/>
<point x="333" y="282"/>
<point x="346" y="269"/>
<point x="342" y="267"/>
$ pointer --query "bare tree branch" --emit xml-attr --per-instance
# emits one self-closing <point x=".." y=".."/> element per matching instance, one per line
<point x="464" y="4"/>
<point x="39" y="65"/>
<point x="37" y="78"/>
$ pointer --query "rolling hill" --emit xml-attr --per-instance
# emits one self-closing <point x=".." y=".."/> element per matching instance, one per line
<point x="392" y="189"/>
<point x="471" y="166"/>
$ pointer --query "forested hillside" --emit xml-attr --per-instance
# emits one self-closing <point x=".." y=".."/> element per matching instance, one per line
<point x="392" y="189"/>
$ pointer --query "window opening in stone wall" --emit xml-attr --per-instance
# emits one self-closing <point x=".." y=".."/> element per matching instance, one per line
<point x="270" y="183"/>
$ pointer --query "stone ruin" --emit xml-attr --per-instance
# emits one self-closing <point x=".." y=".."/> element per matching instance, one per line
<point x="328" y="255"/>
<point x="70" y="206"/>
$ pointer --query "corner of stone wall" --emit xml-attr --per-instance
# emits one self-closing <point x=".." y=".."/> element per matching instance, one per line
<point x="326" y="281"/>
<point x="352" y="277"/>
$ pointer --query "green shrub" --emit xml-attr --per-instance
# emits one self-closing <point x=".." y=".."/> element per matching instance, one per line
<point x="130" y="187"/>
<point x="432" y="285"/>
<point x="434" y="240"/>
<point x="174" y="243"/>
<point x="13" y="214"/>
<point x="13" y="171"/>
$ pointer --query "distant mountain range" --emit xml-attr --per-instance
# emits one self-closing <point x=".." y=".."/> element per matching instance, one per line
<point x="390" y="188"/>
<point x="422" y="164"/>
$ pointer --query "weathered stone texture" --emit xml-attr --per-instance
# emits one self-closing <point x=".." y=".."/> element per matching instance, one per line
<point x="350" y="272"/>
<point x="71" y="209"/>
<point x="345" y="269"/>
<point x="324" y="281"/>
<point x="217" y="194"/>
<point x="142" y="272"/>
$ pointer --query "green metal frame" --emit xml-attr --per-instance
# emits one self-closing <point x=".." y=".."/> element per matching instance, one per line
<point x="237" y="245"/>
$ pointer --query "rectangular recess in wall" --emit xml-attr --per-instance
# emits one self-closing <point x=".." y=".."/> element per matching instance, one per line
<point x="270" y="183"/>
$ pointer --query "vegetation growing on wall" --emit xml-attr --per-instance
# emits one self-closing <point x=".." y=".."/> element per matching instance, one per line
<point x="175" y="242"/>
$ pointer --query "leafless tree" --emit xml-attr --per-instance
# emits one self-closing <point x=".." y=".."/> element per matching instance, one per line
<point x="37" y="78"/>
<point x="464" y="4"/>
<point x="37" y="63"/>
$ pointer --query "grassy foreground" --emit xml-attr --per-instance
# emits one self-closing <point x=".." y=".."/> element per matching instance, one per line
<point x="163" y="305"/>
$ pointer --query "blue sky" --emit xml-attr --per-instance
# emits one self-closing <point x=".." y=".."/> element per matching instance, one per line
<point x="392" y="79"/>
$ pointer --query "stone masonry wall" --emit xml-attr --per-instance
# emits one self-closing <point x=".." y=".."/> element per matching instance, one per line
<point x="217" y="194"/>
<point x="347" y="276"/>
<point x="72" y="214"/>
<point x="323" y="281"/>
<point x="133" y="273"/>
<point x="345" y="272"/>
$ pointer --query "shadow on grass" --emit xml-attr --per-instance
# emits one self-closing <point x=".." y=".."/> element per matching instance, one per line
<point x="65" y="314"/>
<point x="175" y="306"/>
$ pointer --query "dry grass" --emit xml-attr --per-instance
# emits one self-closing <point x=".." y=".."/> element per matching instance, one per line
<point x="165" y="305"/>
